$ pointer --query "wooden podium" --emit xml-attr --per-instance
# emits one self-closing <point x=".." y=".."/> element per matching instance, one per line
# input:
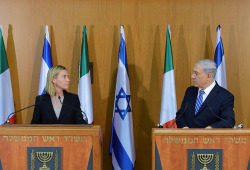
<point x="81" y="145"/>
<point x="170" y="147"/>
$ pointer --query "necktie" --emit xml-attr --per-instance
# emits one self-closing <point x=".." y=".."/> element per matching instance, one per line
<point x="199" y="101"/>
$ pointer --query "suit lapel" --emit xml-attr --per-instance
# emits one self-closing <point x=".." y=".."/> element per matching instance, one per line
<point x="193" y="101"/>
<point x="64" y="107"/>
<point x="211" y="95"/>
<point x="50" y="106"/>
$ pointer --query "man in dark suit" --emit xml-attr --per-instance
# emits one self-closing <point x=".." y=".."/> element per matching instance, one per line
<point x="206" y="104"/>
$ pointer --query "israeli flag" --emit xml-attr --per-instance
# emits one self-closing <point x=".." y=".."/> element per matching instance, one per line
<point x="46" y="62"/>
<point x="122" y="136"/>
<point x="219" y="59"/>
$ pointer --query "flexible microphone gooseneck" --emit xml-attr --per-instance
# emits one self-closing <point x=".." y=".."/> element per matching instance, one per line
<point x="179" y="115"/>
<point x="59" y="97"/>
<point x="219" y="117"/>
<point x="8" y="122"/>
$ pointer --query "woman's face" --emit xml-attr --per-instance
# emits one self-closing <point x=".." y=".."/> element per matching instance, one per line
<point x="62" y="80"/>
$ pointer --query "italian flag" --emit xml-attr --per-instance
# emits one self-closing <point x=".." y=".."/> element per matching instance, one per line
<point x="6" y="96"/>
<point x="84" y="87"/>
<point x="168" y="100"/>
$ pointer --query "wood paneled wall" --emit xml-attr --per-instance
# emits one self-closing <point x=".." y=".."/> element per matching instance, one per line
<point x="193" y="32"/>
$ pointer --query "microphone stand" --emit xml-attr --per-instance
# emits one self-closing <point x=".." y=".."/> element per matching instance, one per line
<point x="179" y="116"/>
<point x="59" y="97"/>
<point x="8" y="122"/>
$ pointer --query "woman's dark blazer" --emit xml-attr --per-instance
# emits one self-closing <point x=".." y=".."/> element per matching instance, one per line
<point x="70" y="113"/>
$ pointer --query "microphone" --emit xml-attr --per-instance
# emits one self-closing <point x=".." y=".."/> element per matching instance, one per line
<point x="219" y="117"/>
<point x="59" y="97"/>
<point x="179" y="115"/>
<point x="8" y="122"/>
<point x="159" y="125"/>
<point x="240" y="126"/>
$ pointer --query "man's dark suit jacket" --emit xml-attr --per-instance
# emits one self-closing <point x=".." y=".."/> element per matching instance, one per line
<point x="70" y="113"/>
<point x="216" y="111"/>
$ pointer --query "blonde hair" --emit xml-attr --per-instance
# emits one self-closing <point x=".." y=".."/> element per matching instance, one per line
<point x="52" y="73"/>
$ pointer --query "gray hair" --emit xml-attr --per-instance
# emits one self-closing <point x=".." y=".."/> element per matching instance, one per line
<point x="208" y="66"/>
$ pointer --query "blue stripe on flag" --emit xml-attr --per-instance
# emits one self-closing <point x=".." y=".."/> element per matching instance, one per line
<point x="46" y="63"/>
<point x="121" y="154"/>
<point x="219" y="59"/>
<point x="47" y="53"/>
<point x="219" y="53"/>
<point x="112" y="130"/>
<point x="43" y="91"/>
<point x="123" y="54"/>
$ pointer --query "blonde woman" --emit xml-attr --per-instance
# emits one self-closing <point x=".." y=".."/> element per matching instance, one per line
<point x="57" y="106"/>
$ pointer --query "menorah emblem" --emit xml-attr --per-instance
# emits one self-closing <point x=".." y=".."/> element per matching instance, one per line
<point x="205" y="159"/>
<point x="44" y="157"/>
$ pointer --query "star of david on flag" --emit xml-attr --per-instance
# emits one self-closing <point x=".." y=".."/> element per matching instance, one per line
<point x="122" y="136"/>
<point x="120" y="104"/>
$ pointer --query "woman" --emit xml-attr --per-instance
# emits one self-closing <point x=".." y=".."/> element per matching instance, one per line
<point x="57" y="106"/>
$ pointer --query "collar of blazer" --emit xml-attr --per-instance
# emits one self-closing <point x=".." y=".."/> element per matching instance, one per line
<point x="65" y="93"/>
<point x="48" y="100"/>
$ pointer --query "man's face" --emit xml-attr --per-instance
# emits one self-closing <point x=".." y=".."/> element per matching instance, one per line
<point x="200" y="79"/>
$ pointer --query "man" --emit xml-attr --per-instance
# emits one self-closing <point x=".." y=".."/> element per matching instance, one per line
<point x="206" y="104"/>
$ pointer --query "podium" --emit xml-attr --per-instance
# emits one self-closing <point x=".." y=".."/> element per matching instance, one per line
<point x="81" y="145"/>
<point x="175" y="148"/>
